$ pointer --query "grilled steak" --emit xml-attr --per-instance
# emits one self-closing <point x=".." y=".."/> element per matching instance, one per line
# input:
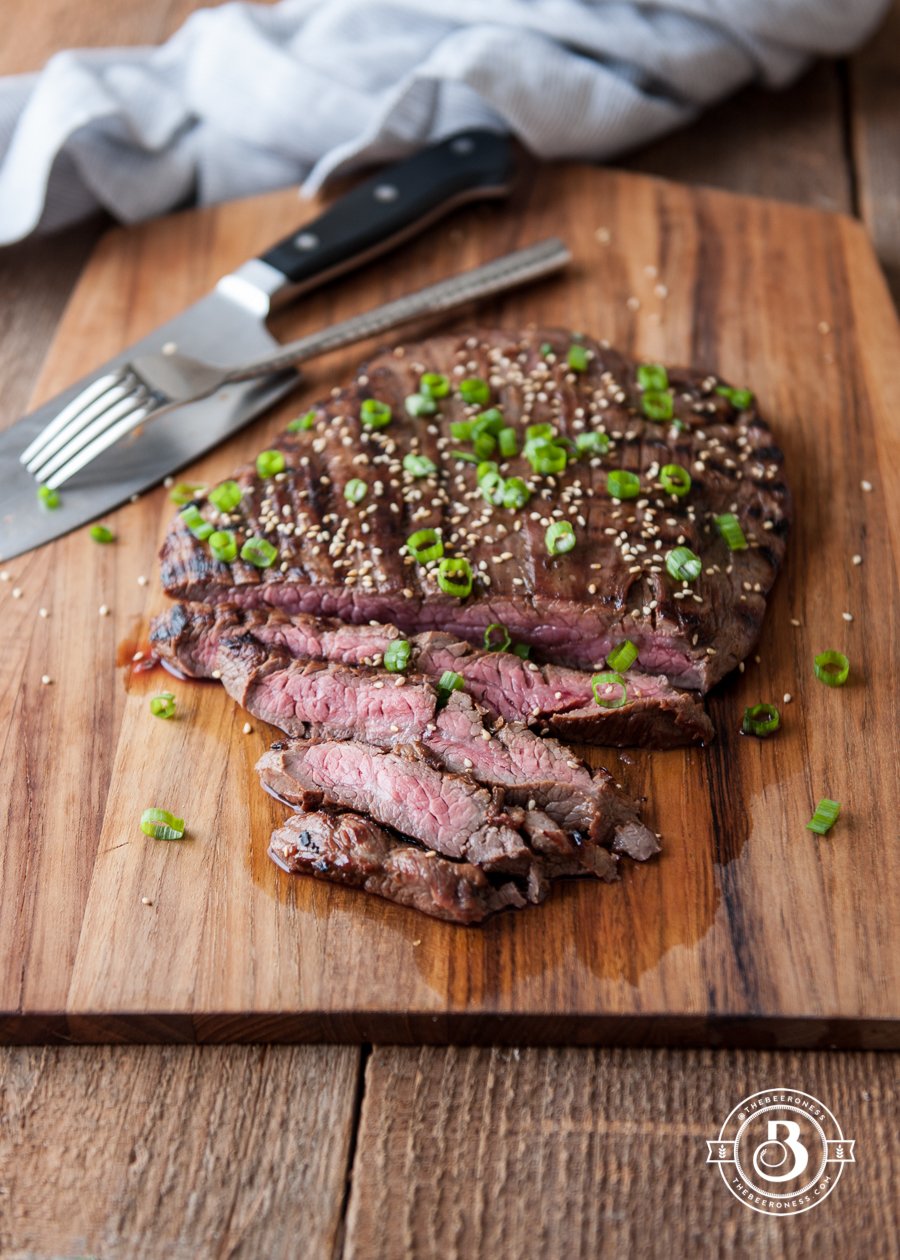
<point x="549" y="697"/>
<point x="345" y="554"/>
<point x="351" y="850"/>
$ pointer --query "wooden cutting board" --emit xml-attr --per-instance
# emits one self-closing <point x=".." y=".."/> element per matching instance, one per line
<point x="747" y="930"/>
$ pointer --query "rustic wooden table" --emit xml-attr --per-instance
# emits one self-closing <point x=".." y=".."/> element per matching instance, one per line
<point x="375" y="1151"/>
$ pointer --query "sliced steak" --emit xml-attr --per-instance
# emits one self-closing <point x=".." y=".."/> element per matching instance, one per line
<point x="351" y="850"/>
<point x="352" y="562"/>
<point x="549" y="697"/>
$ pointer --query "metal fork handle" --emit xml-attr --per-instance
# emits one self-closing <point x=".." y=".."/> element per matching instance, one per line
<point x="504" y="273"/>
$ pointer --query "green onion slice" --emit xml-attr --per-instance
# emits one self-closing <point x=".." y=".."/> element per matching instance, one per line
<point x="448" y="682"/>
<point x="492" y="487"/>
<point x="434" y="384"/>
<point x="683" y="564"/>
<point x="418" y="465"/>
<point x="657" y="404"/>
<point x="425" y="545"/>
<point x="355" y="490"/>
<point x="592" y="444"/>
<point x="832" y="668"/>
<point x="508" y="441"/>
<point x="268" y="463"/>
<point x="484" y="444"/>
<point x="161" y="825"/>
<point x="729" y="527"/>
<point x="163" y="705"/>
<point x="652" y="376"/>
<point x="545" y="456"/>
<point x="474" y="390"/>
<point x="454" y="576"/>
<point x="226" y="496"/>
<point x="560" y="538"/>
<point x="461" y="430"/>
<point x="496" y="637"/>
<point x="193" y="518"/>
<point x="622" y="484"/>
<point x="522" y="650"/>
<point x="825" y="817"/>
<point x="48" y="498"/>
<point x="304" y="422"/>
<point x="374" y="414"/>
<point x="622" y="657"/>
<point x="675" y="479"/>
<point x="420" y="405"/>
<point x="223" y="545"/>
<point x="466" y="457"/>
<point x="184" y="491"/>
<point x="761" y="720"/>
<point x="740" y="399"/>
<point x="515" y="493"/>
<point x="603" y="682"/>
<point x="490" y="421"/>
<point x="539" y="431"/>
<point x="396" y="656"/>
<point x="259" y="552"/>
<point x="577" y="358"/>
<point x="102" y="534"/>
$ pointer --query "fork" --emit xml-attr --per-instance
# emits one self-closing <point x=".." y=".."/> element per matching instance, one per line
<point x="119" y="402"/>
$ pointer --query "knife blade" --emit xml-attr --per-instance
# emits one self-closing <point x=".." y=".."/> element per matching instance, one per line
<point x="228" y="327"/>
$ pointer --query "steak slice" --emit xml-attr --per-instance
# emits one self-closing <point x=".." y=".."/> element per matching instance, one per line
<point x="550" y="697"/>
<point x="354" y="851"/>
<point x="352" y="562"/>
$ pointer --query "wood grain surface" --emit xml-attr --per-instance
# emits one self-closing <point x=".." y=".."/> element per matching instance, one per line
<point x="748" y="930"/>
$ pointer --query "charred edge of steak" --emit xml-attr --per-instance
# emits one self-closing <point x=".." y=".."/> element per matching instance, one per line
<point x="354" y="851"/>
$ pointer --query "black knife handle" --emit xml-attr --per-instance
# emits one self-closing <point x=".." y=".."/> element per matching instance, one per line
<point x="393" y="205"/>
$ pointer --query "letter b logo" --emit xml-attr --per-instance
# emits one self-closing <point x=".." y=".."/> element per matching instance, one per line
<point x="774" y="1152"/>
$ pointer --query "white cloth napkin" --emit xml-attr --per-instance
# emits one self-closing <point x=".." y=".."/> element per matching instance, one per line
<point x="249" y="97"/>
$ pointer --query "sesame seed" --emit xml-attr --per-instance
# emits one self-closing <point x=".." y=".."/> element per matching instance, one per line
<point x="138" y="656"/>
<point x="633" y="304"/>
<point x="169" y="482"/>
<point x="217" y="674"/>
<point x="824" y="327"/>
<point x="17" y="592"/>
<point x="661" y="291"/>
<point x="794" y="621"/>
<point x="857" y="559"/>
<point x="42" y="612"/>
<point x="788" y="697"/>
<point x="603" y="235"/>
<point x="847" y="616"/>
<point x="46" y="680"/>
<point x="142" y="581"/>
<point x="146" y="901"/>
<point x="247" y="728"/>
<point x="4" y="576"/>
<point x="866" y="486"/>
<point x="103" y="610"/>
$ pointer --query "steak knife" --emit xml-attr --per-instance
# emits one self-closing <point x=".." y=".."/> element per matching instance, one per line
<point x="228" y="327"/>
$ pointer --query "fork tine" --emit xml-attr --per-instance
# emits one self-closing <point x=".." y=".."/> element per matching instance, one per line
<point x="124" y="405"/>
<point x="107" y="438"/>
<point x="69" y="412"/>
<point x="82" y="427"/>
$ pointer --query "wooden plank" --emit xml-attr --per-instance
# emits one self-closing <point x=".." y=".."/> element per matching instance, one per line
<point x="176" y="1151"/>
<point x="874" y="79"/>
<point x="579" y="1153"/>
<point x="717" y="939"/>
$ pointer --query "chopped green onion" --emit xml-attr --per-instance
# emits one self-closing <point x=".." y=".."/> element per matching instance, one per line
<point x="522" y="650"/>
<point x="396" y="656"/>
<point x="675" y="479"/>
<point x="622" y="484"/>
<point x="652" y="376"/>
<point x="832" y="668"/>
<point x="546" y="349"/>
<point x="268" y="463"/>
<point x="592" y="444"/>
<point x="102" y="534"/>
<point x="683" y="564"/>
<point x="657" y="404"/>
<point x="161" y="825"/>
<point x="544" y="456"/>
<point x="825" y="817"/>
<point x="729" y="527"/>
<point x="425" y="545"/>
<point x="492" y="486"/>
<point x="494" y="644"/>
<point x="448" y="682"/>
<point x="484" y="444"/>
<point x="515" y="493"/>
<point x="622" y="657"/>
<point x="679" y="426"/>
<point x="740" y="399"/>
<point x="226" y="496"/>
<point x="486" y="467"/>
<point x="560" y="538"/>
<point x="259" y="552"/>
<point x="474" y="390"/>
<point x="508" y="441"/>
<point x="418" y="465"/>
<point x="420" y="405"/>
<point x="163" y="705"/>
<point x="490" y="421"/>
<point x="605" y="681"/>
<point x="48" y="498"/>
<point x="434" y="384"/>
<point x="761" y="720"/>
<point x="184" y="491"/>
<point x="193" y="518"/>
<point x="465" y="457"/>
<point x="461" y="430"/>
<point x="304" y="422"/>
<point x="540" y="431"/>
<point x="355" y="490"/>
<point x="454" y="576"/>
<point x="374" y="414"/>
<point x="223" y="545"/>
<point x="577" y="358"/>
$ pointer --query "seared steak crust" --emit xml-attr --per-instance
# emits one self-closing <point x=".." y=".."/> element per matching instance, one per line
<point x="351" y="561"/>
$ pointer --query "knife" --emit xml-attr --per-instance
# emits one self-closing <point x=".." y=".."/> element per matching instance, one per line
<point x="228" y="327"/>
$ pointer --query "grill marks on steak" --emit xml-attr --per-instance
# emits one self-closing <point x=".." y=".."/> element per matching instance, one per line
<point x="354" y="851"/>
<point x="549" y="697"/>
<point x="349" y="562"/>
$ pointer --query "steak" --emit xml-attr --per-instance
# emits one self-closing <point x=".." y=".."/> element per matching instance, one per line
<point x="350" y="559"/>
<point x="354" y="851"/>
<point x="552" y="698"/>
